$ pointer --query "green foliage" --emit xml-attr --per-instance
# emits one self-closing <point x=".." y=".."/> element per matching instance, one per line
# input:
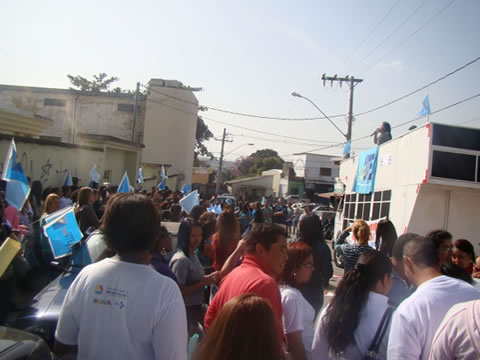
<point x="261" y="160"/>
<point x="100" y="82"/>
<point x="202" y="135"/>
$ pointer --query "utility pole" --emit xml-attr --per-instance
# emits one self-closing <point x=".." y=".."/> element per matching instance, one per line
<point x="352" y="82"/>
<point x="220" y="163"/>
<point x="137" y="93"/>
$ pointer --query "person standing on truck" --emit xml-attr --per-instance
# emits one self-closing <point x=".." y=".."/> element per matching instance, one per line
<point x="382" y="134"/>
<point x="351" y="252"/>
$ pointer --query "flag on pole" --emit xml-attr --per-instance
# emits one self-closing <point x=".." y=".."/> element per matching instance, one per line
<point x="162" y="185"/>
<point x="263" y="200"/>
<point x="163" y="174"/>
<point x="124" y="186"/>
<point x="189" y="201"/>
<point x="18" y="187"/>
<point x="68" y="179"/>
<point x="62" y="231"/>
<point x="140" y="176"/>
<point x="187" y="188"/>
<point x="426" y="107"/>
<point x="347" y="148"/>
<point x="94" y="175"/>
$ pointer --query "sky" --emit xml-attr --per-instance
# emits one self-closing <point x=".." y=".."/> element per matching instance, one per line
<point x="249" y="56"/>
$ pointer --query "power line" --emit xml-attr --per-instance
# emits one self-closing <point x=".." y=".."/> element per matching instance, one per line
<point x="367" y="37"/>
<point x="245" y="114"/>
<point x="421" y="88"/>
<point x="232" y="125"/>
<point x="410" y="36"/>
<point x="284" y="141"/>
<point x="401" y="124"/>
<point x="389" y="36"/>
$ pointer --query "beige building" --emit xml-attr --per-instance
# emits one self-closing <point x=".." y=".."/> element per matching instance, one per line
<point x="159" y="130"/>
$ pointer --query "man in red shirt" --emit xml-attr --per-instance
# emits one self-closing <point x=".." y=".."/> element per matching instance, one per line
<point x="266" y="255"/>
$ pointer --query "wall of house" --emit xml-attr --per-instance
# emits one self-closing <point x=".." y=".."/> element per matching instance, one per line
<point x="170" y="127"/>
<point x="75" y="112"/>
<point x="49" y="163"/>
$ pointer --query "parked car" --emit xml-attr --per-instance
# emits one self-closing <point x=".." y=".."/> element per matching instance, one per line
<point x="226" y="198"/>
<point x="41" y="317"/>
<point x="20" y="345"/>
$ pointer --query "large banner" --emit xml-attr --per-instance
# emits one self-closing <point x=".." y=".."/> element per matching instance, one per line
<point x="367" y="168"/>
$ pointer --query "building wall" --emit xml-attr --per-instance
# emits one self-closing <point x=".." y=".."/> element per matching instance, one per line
<point x="49" y="163"/>
<point x="75" y="112"/>
<point x="200" y="176"/>
<point x="170" y="128"/>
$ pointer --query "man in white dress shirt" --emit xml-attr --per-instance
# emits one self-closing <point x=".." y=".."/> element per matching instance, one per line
<point x="417" y="318"/>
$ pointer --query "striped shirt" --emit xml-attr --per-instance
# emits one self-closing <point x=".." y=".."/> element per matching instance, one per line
<point x="350" y="252"/>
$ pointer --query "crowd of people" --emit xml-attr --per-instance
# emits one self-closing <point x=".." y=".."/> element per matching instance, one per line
<point x="241" y="284"/>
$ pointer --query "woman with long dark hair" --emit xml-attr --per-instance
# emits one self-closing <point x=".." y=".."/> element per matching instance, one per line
<point x="385" y="237"/>
<point x="190" y="274"/>
<point x="347" y="326"/>
<point x="225" y="239"/>
<point x="311" y="233"/>
<point x="298" y="314"/>
<point x="87" y="219"/>
<point x="245" y="328"/>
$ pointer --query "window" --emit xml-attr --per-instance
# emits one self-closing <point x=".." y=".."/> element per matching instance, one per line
<point x="54" y="102"/>
<point x="126" y="107"/>
<point x="325" y="171"/>
<point x="454" y="166"/>
<point x="366" y="206"/>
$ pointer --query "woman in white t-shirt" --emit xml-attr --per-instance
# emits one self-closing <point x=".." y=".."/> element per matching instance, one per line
<point x="298" y="314"/>
<point x="347" y="326"/>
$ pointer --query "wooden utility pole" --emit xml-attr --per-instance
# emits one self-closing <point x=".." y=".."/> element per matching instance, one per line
<point x="137" y="93"/>
<point x="352" y="83"/>
<point x="220" y="163"/>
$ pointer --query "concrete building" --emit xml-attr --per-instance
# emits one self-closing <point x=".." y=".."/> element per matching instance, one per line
<point x="319" y="172"/>
<point x="159" y="130"/>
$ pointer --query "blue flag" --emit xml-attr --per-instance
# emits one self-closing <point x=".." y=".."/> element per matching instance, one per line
<point x="186" y="189"/>
<point x="68" y="179"/>
<point x="162" y="185"/>
<point x="189" y="201"/>
<point x="426" y="107"/>
<point x="124" y="186"/>
<point x="367" y="168"/>
<point x="163" y="175"/>
<point x="18" y="187"/>
<point x="263" y="200"/>
<point x="218" y="209"/>
<point x="140" y="176"/>
<point x="94" y="175"/>
<point x="61" y="229"/>
<point x="347" y="148"/>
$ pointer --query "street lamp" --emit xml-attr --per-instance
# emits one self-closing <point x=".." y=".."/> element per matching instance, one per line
<point x="220" y="163"/>
<point x="311" y="102"/>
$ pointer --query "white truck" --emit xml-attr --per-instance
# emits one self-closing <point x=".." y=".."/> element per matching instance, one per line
<point x="426" y="179"/>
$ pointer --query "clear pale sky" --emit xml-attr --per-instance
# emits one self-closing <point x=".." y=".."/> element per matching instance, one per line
<point x="250" y="55"/>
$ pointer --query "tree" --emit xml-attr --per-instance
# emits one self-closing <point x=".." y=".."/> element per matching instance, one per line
<point x="260" y="160"/>
<point x="100" y="82"/>
<point x="202" y="135"/>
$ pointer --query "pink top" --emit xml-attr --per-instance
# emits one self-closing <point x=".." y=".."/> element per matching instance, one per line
<point x="12" y="216"/>
<point x="458" y="337"/>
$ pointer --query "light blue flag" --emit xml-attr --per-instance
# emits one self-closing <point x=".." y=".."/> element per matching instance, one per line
<point x="94" y="175"/>
<point x="162" y="185"/>
<point x="426" y="107"/>
<point x="187" y="188"/>
<point x="68" y="179"/>
<point x="218" y="209"/>
<point x="140" y="176"/>
<point x="211" y="209"/>
<point x="18" y="188"/>
<point x="347" y="148"/>
<point x="124" y="186"/>
<point x="263" y="200"/>
<point x="189" y="201"/>
<point x="62" y="232"/>
<point x="163" y="175"/>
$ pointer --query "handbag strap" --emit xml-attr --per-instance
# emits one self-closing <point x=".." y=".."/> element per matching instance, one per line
<point x="381" y="330"/>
